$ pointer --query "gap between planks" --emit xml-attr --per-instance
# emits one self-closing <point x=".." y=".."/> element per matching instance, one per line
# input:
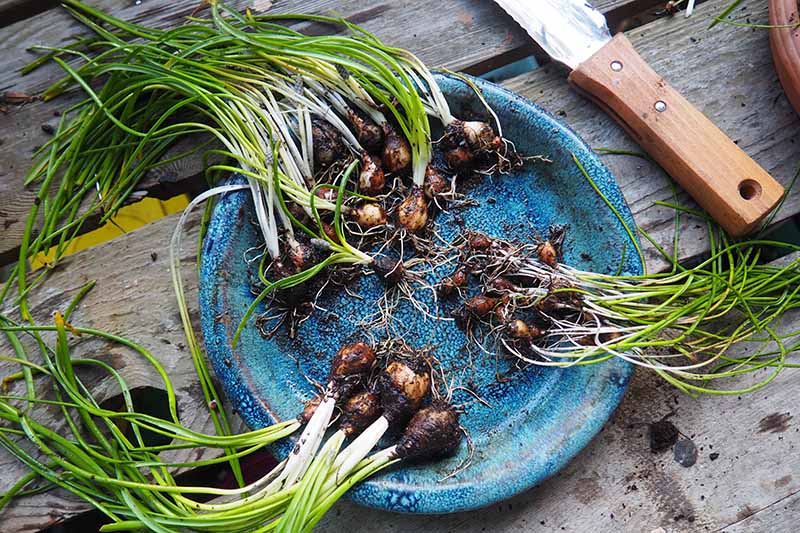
<point x="581" y="117"/>
<point x="781" y="515"/>
<point x="707" y="66"/>
<point x="615" y="475"/>
<point x="475" y="37"/>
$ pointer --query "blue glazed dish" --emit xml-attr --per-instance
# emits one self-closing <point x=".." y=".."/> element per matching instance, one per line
<point x="537" y="420"/>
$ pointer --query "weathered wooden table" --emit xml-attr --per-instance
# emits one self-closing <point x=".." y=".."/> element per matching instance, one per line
<point x="747" y="476"/>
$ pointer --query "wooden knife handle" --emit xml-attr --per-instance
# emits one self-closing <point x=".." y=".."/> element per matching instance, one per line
<point x="721" y="178"/>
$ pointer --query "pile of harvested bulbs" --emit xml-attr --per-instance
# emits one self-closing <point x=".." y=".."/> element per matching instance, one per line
<point x="334" y="139"/>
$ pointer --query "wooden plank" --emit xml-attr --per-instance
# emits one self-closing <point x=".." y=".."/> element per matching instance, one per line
<point x="14" y="10"/>
<point x="458" y="34"/>
<point x="781" y="516"/>
<point x="616" y="483"/>
<point x="469" y="35"/>
<point x="472" y="33"/>
<point x="619" y="13"/>
<point x="707" y="66"/>
<point x="134" y="298"/>
<point x="727" y="73"/>
<point x="725" y="491"/>
<point x="613" y="5"/>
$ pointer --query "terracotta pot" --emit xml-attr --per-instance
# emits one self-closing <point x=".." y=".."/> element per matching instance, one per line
<point x="785" y="43"/>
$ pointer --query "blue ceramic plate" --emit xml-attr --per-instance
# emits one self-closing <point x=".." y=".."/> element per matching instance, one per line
<point x="538" y="420"/>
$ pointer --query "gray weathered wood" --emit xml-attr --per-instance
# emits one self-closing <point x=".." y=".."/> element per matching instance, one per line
<point x="751" y="486"/>
<point x="755" y="436"/>
<point x="134" y="298"/>
<point x="738" y="90"/>
<point x="455" y="33"/>
<point x="617" y="484"/>
<point x="610" y="6"/>
<point x="727" y="73"/>
<point x="13" y="10"/>
<point x="781" y="516"/>
<point x="24" y="7"/>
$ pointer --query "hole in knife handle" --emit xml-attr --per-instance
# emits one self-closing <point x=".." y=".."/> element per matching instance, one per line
<point x="750" y="189"/>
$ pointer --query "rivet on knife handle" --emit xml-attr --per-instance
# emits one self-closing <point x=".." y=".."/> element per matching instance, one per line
<point x="719" y="175"/>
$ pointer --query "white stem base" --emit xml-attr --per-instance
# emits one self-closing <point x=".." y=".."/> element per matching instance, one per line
<point x="359" y="448"/>
<point x="300" y="457"/>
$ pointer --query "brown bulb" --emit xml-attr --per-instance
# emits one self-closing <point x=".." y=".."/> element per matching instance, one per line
<point x="547" y="254"/>
<point x="326" y="192"/>
<point x="369" y="215"/>
<point x="433" y="431"/>
<point x="459" y="158"/>
<point x="479" y="241"/>
<point x="358" y="412"/>
<point x="502" y="285"/>
<point x="412" y="213"/>
<point x="396" y="151"/>
<point x="435" y="183"/>
<point x="480" y="136"/>
<point x="403" y="385"/>
<point x="518" y="329"/>
<point x="309" y="408"/>
<point x="368" y="133"/>
<point x="480" y="305"/>
<point x="353" y="359"/>
<point x="370" y="179"/>
<point x="301" y="255"/>
<point x="327" y="141"/>
<point x="449" y="284"/>
<point x="330" y="231"/>
<point x="390" y="270"/>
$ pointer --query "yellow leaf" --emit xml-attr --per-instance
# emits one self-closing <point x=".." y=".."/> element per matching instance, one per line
<point x="61" y="323"/>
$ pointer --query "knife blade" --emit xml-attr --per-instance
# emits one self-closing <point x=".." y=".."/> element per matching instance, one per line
<point x="569" y="31"/>
<point x="719" y="175"/>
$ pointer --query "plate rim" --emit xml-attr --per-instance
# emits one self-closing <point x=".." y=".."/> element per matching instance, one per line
<point x="219" y="351"/>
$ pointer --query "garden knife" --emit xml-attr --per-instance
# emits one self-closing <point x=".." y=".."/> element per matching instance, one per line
<point x="721" y="178"/>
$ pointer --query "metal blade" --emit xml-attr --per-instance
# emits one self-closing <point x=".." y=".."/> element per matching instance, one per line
<point x="570" y="31"/>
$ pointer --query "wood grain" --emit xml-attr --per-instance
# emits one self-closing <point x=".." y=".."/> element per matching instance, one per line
<point x="739" y="91"/>
<point x="457" y="34"/>
<point x="133" y="298"/>
<point x="727" y="73"/>
<point x="616" y="483"/>
<point x="746" y="467"/>
<point x="719" y="175"/>
<point x="751" y="486"/>
<point x="781" y="515"/>
<point x="12" y="11"/>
